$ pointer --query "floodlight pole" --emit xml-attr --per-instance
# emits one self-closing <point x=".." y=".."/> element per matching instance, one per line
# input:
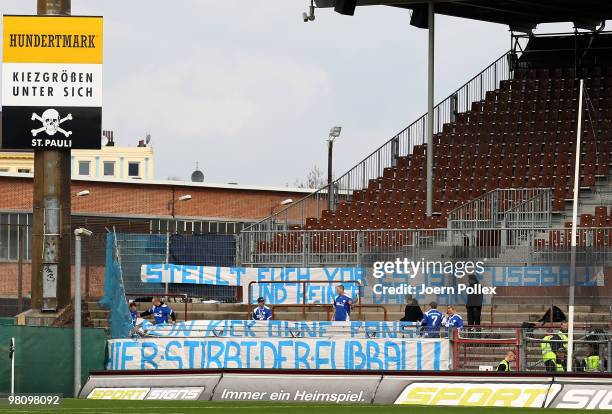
<point x="572" y="278"/>
<point x="430" y="106"/>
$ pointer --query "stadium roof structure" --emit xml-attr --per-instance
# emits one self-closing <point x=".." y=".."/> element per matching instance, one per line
<point x="514" y="13"/>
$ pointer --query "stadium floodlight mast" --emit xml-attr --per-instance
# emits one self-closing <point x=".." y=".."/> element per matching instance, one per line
<point x="283" y="203"/>
<point x="572" y="278"/>
<point x="334" y="133"/>
<point x="77" y="307"/>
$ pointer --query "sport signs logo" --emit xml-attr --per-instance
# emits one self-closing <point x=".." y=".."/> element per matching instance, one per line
<point x="51" y="74"/>
<point x="177" y="393"/>
<point x="560" y="393"/>
<point x="478" y="394"/>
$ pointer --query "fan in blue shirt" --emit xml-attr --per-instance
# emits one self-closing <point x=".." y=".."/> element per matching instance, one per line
<point x="453" y="319"/>
<point x="262" y="312"/>
<point x="160" y="311"/>
<point x="133" y="313"/>
<point x="432" y="320"/>
<point x="342" y="305"/>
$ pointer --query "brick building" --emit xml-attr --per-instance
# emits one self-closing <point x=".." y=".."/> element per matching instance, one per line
<point x="154" y="205"/>
<point x="130" y="206"/>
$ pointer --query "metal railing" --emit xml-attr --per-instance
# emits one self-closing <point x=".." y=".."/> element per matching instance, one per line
<point x="534" y="212"/>
<point x="512" y="246"/>
<point x="483" y="347"/>
<point x="328" y="309"/>
<point x="586" y="342"/>
<point x="387" y="155"/>
<point x="304" y="290"/>
<point x="508" y="207"/>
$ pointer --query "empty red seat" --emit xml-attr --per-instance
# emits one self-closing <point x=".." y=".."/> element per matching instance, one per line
<point x="586" y="220"/>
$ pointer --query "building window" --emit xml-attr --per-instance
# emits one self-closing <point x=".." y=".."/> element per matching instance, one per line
<point x="134" y="169"/>
<point x="13" y="226"/>
<point x="84" y="168"/>
<point x="109" y="168"/>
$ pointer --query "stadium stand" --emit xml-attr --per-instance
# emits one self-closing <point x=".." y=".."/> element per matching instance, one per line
<point x="521" y="136"/>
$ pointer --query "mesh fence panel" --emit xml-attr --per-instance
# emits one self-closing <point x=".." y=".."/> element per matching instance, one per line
<point x="205" y="250"/>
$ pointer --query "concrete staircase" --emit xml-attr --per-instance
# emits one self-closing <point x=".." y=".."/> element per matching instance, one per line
<point x="588" y="199"/>
<point x="601" y="195"/>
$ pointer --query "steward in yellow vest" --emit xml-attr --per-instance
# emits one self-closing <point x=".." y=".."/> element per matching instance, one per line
<point x="504" y="365"/>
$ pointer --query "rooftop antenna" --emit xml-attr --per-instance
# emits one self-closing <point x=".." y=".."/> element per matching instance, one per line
<point x="148" y="138"/>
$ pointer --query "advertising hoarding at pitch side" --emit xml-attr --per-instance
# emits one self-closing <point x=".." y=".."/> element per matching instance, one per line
<point x="478" y="390"/>
<point x="51" y="82"/>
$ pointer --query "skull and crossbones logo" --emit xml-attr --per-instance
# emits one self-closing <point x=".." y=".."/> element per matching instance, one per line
<point x="51" y="121"/>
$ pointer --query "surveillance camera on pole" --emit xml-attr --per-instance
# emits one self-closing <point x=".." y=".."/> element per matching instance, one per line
<point x="310" y="16"/>
<point x="83" y="232"/>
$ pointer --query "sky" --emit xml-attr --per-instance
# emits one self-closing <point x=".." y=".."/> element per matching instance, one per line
<point x="249" y="91"/>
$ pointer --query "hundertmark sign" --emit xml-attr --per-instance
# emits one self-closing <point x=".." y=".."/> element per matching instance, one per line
<point x="51" y="82"/>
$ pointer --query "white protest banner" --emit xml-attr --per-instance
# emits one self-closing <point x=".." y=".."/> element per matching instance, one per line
<point x="279" y="353"/>
<point x="281" y="329"/>
<point x="301" y="285"/>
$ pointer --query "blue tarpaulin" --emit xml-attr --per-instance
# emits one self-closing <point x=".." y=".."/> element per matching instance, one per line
<point x="114" y="293"/>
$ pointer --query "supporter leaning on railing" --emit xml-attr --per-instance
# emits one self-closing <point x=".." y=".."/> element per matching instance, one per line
<point x="432" y="320"/>
<point x="452" y="319"/>
<point x="160" y="311"/>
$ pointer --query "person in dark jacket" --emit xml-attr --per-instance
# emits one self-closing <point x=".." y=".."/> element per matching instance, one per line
<point x="473" y="304"/>
<point x="412" y="311"/>
<point x="556" y="317"/>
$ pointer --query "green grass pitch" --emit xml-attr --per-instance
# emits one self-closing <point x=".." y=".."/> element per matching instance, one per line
<point x="171" y="407"/>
